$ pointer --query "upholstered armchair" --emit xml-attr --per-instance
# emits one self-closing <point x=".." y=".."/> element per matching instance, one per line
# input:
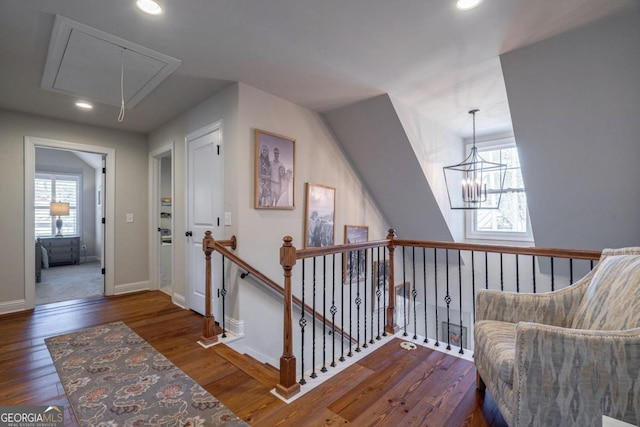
<point x="568" y="357"/>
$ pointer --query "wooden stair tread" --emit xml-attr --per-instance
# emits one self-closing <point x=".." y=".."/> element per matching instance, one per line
<point x="264" y="373"/>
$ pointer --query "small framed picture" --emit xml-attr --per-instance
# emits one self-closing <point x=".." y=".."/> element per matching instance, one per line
<point x="275" y="157"/>
<point x="355" y="262"/>
<point x="380" y="282"/>
<point x="319" y="216"/>
<point x="457" y="337"/>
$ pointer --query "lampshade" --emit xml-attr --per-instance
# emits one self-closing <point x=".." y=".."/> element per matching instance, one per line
<point x="59" y="208"/>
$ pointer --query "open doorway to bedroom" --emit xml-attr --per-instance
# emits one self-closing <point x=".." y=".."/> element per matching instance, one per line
<point x="69" y="246"/>
<point x="73" y="232"/>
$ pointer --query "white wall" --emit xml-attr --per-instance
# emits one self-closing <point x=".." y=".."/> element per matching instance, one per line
<point x="434" y="147"/>
<point x="574" y="102"/>
<point x="131" y="196"/>
<point x="319" y="159"/>
<point x="222" y="106"/>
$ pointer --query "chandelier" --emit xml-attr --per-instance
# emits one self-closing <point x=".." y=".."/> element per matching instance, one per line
<point x="475" y="183"/>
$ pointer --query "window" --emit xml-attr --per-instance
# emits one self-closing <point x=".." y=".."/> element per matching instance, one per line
<point x="49" y="188"/>
<point x="511" y="220"/>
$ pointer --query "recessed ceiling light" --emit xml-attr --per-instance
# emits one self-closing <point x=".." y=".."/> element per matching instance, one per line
<point x="467" y="4"/>
<point x="84" y="105"/>
<point x="151" y="7"/>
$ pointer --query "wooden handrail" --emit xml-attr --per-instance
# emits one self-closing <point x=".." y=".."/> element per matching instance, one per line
<point x="339" y="249"/>
<point x="272" y="285"/>
<point x="514" y="250"/>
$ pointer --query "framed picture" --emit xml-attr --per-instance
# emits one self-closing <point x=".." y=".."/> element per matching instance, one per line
<point x="275" y="157"/>
<point x="319" y="216"/>
<point x="380" y="280"/>
<point x="355" y="262"/>
<point x="455" y="338"/>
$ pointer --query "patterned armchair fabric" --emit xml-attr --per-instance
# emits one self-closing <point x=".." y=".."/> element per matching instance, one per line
<point x="565" y="358"/>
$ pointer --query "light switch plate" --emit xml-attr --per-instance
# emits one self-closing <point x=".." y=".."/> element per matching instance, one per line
<point x="227" y="218"/>
<point x="129" y="217"/>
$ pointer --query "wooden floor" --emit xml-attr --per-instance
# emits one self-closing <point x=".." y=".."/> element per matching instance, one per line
<point x="390" y="387"/>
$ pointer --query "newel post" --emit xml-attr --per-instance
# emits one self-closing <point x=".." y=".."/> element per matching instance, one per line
<point x="390" y="327"/>
<point x="208" y="325"/>
<point x="288" y="386"/>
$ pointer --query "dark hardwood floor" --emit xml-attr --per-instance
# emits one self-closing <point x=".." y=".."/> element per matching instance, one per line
<point x="390" y="387"/>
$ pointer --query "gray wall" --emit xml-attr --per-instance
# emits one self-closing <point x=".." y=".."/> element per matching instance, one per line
<point x="131" y="196"/>
<point x="374" y="138"/>
<point x="575" y="100"/>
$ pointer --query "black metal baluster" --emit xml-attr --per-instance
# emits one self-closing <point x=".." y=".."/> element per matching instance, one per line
<point x="303" y="324"/>
<point x="435" y="281"/>
<point x="350" y="353"/>
<point x="501" y="274"/>
<point x="486" y="270"/>
<point x="364" y="312"/>
<point x="570" y="270"/>
<point x="324" y="314"/>
<point x="460" y="299"/>
<point x="333" y="310"/>
<point x="366" y="273"/>
<point x="533" y="270"/>
<point x="342" y="328"/>
<point x="553" y="277"/>
<point x="414" y="293"/>
<point x="223" y="292"/>
<point x="517" y="275"/>
<point x="447" y="299"/>
<point x="313" y="324"/>
<point x="404" y="293"/>
<point x="473" y="283"/>
<point x="358" y="301"/>
<point x="385" y="300"/>
<point x="378" y="290"/>
<point x="424" y="285"/>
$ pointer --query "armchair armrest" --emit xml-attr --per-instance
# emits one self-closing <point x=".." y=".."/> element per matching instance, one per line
<point x="550" y="308"/>
<point x="573" y="376"/>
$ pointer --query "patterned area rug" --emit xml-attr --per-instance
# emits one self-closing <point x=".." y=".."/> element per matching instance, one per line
<point x="113" y="377"/>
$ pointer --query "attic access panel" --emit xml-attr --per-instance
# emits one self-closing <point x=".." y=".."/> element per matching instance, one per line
<point x="86" y="62"/>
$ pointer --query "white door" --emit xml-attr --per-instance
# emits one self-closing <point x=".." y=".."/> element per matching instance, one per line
<point x="204" y="212"/>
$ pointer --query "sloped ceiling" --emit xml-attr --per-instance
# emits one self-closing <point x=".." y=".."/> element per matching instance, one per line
<point x="374" y="139"/>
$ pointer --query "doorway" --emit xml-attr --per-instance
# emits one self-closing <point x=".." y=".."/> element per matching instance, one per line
<point x="161" y="168"/>
<point x="103" y="232"/>
<point x="205" y="206"/>
<point x="69" y="248"/>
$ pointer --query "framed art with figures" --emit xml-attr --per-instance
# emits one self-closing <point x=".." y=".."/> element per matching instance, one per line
<point x="355" y="262"/>
<point x="319" y="216"/>
<point x="275" y="157"/>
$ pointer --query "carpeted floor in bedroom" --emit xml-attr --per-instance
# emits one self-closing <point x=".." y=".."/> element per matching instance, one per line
<point x="67" y="282"/>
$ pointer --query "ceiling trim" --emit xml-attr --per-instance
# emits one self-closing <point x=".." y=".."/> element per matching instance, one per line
<point x="60" y="36"/>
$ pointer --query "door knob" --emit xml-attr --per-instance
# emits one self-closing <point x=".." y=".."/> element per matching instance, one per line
<point x="188" y="234"/>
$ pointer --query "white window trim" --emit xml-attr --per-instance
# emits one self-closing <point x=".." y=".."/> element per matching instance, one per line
<point x="78" y="176"/>
<point x="470" y="215"/>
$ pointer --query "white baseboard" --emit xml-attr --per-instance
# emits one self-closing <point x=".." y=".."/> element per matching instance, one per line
<point x="179" y="300"/>
<point x="13" y="306"/>
<point x="234" y="326"/>
<point x="131" y="287"/>
<point x="90" y="258"/>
